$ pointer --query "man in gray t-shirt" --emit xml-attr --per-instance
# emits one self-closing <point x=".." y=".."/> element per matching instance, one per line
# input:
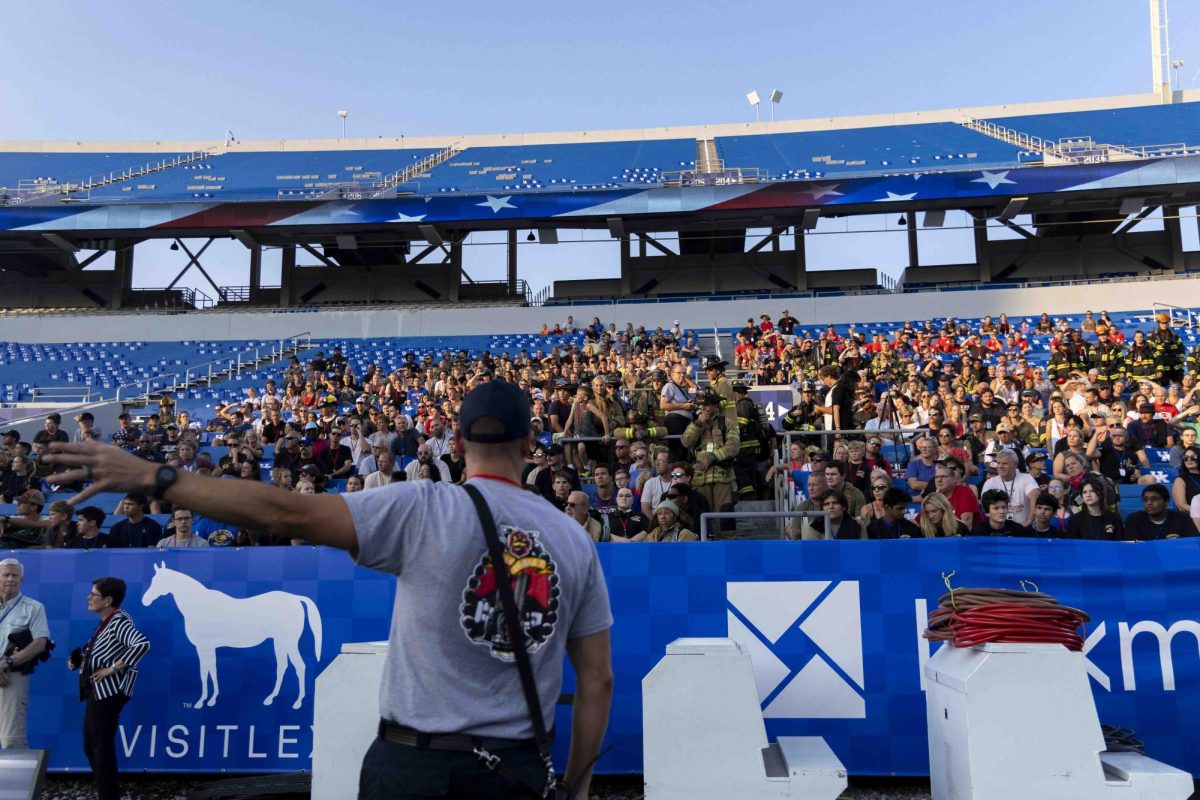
<point x="451" y="696"/>
<point x="446" y="610"/>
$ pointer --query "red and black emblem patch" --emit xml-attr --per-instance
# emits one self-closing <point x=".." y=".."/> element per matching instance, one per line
<point x="535" y="586"/>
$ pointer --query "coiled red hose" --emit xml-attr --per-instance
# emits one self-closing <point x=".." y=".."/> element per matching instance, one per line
<point x="968" y="617"/>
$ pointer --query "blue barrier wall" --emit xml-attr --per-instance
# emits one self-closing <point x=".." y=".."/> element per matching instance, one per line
<point x="833" y="627"/>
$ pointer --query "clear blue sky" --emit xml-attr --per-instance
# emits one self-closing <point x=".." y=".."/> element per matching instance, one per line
<point x="160" y="70"/>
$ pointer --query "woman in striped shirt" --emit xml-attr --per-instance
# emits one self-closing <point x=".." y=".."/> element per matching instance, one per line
<point x="109" y="663"/>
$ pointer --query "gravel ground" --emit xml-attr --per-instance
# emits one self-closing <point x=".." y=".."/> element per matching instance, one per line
<point x="75" y="787"/>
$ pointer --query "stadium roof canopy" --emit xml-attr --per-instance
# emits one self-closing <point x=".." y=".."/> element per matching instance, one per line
<point x="1070" y="164"/>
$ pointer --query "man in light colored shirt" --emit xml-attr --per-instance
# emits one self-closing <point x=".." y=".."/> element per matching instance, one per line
<point x="1021" y="488"/>
<point x="183" y="536"/>
<point x="26" y="618"/>
<point x="425" y="456"/>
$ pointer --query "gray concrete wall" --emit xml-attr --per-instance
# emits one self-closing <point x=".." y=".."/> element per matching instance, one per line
<point x="699" y="313"/>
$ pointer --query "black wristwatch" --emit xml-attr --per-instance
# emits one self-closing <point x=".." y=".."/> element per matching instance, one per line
<point x="164" y="479"/>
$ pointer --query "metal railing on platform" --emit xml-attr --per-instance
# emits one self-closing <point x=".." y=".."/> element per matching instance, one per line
<point x="218" y="369"/>
<point x="707" y="515"/>
<point x="61" y="394"/>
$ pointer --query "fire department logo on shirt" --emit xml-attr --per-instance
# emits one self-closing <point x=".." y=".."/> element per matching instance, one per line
<point x="535" y="587"/>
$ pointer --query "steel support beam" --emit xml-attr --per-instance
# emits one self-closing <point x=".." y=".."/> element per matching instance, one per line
<point x="627" y="263"/>
<point x="319" y="256"/>
<point x="800" y="259"/>
<point x="194" y="261"/>
<point x="122" y="276"/>
<point x="455" y="260"/>
<point x="255" y="269"/>
<point x="1174" y="230"/>
<point x="287" y="275"/>
<point x="982" y="257"/>
<point x="512" y="262"/>
<point x="910" y="223"/>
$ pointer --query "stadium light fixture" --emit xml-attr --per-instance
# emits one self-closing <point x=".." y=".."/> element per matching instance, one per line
<point x="343" y="114"/>
<point x="532" y="237"/>
<point x="175" y="245"/>
<point x="1175" y="65"/>
<point x="756" y="101"/>
<point x="776" y="96"/>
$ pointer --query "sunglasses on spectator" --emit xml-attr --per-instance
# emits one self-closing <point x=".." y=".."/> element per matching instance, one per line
<point x="879" y="488"/>
<point x="620" y="447"/>
<point x="678" y="474"/>
<point x="575" y="505"/>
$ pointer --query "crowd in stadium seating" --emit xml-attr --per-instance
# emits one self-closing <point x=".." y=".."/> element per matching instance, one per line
<point x="961" y="432"/>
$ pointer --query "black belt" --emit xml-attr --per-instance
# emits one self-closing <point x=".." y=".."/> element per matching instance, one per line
<point x="460" y="742"/>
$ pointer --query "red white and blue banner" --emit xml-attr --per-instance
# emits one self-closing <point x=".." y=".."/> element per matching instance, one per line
<point x="515" y="206"/>
<point x="239" y="637"/>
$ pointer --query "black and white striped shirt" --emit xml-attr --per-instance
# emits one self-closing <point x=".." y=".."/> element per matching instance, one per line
<point x="118" y="641"/>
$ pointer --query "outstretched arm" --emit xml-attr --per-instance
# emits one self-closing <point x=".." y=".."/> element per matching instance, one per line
<point x="317" y="518"/>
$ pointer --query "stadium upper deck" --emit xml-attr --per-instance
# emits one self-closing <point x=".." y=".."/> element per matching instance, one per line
<point x="1114" y="128"/>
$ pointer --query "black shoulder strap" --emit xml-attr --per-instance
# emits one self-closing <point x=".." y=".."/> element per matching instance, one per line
<point x="516" y="634"/>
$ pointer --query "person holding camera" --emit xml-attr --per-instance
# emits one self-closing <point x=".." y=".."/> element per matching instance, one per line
<point x="24" y="637"/>
<point x="108" y="670"/>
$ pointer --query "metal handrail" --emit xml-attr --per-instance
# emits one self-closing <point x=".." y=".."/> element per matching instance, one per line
<point x="28" y="191"/>
<point x="215" y="369"/>
<point x="231" y="366"/>
<point x="59" y="393"/>
<point x="707" y="515"/>
<point x="1186" y="317"/>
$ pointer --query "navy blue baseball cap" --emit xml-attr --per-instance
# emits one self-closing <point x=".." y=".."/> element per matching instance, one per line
<point x="498" y="400"/>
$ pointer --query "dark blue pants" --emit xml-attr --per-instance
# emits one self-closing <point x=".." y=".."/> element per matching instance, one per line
<point x="394" y="772"/>
<point x="100" y="720"/>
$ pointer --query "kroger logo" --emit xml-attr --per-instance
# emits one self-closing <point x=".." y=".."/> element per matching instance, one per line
<point x="805" y="641"/>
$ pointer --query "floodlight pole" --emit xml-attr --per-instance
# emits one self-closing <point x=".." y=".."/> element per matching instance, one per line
<point x="753" y="99"/>
<point x="1160" y="49"/>
<point x="343" y="115"/>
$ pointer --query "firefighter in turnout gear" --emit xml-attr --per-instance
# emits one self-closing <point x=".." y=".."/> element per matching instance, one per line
<point x="1142" y="359"/>
<point x="1059" y="365"/>
<point x="641" y="429"/>
<point x="1169" y="350"/>
<point x="1193" y="361"/>
<point x="715" y="444"/>
<point x="714" y="369"/>
<point x="644" y="399"/>
<point x="1108" y="357"/>
<point x="747" y="468"/>
<point x="803" y="415"/>
<point x="1077" y="352"/>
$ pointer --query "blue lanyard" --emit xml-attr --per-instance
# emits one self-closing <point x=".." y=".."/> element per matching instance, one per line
<point x="16" y="602"/>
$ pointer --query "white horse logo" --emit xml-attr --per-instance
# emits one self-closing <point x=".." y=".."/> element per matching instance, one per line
<point x="213" y="619"/>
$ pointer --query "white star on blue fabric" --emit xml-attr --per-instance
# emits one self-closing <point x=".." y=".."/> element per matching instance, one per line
<point x="818" y="190"/>
<point x="892" y="197"/>
<point x="994" y="179"/>
<point x="408" y="218"/>
<point x="497" y="203"/>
